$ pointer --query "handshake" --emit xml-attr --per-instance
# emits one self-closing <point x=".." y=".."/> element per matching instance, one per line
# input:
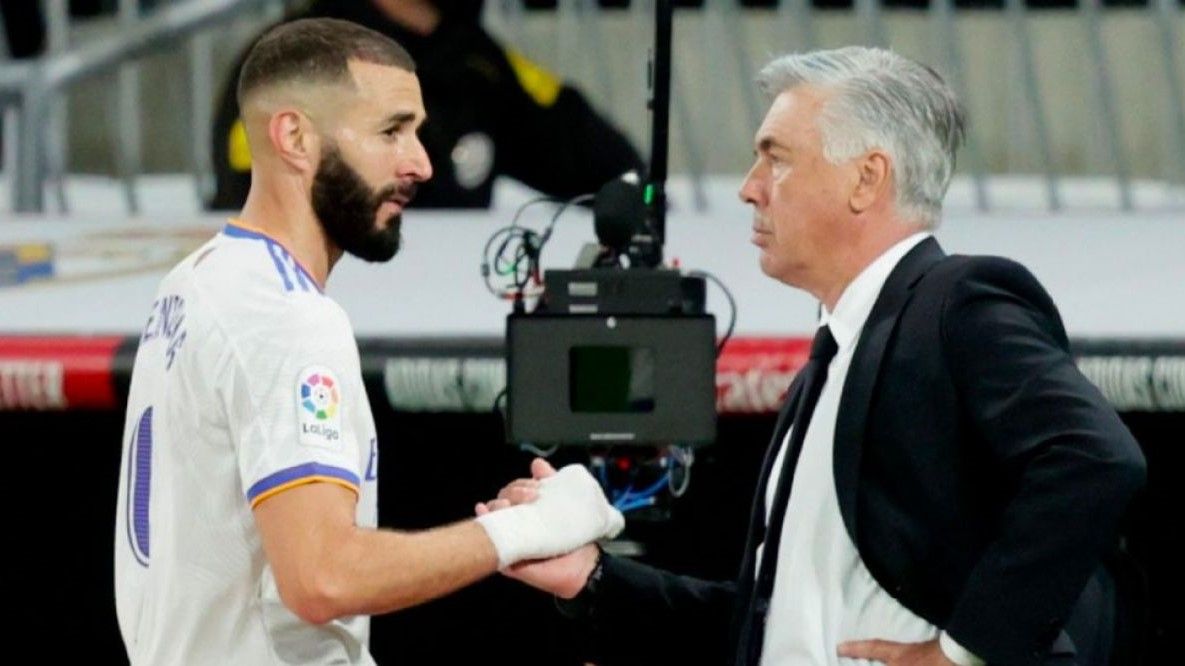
<point x="549" y="515"/>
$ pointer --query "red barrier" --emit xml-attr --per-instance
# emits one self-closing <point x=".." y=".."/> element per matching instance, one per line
<point x="68" y="372"/>
<point x="752" y="374"/>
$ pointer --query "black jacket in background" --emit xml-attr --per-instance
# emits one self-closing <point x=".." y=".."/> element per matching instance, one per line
<point x="562" y="147"/>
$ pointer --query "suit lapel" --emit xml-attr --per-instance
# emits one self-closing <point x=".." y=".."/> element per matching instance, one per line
<point x="862" y="375"/>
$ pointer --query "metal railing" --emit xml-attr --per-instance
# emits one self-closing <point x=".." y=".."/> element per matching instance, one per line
<point x="1173" y="53"/>
<point x="33" y="90"/>
<point x="726" y="33"/>
<point x="33" y="93"/>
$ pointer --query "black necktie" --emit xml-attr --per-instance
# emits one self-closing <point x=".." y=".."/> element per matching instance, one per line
<point x="814" y="377"/>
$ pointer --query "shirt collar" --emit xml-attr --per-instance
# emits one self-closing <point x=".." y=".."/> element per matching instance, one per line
<point x="855" y="304"/>
<point x="236" y="228"/>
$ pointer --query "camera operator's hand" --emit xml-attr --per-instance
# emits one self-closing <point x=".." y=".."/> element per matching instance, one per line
<point x="553" y="515"/>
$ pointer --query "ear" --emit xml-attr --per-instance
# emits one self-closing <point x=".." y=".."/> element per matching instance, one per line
<point x="294" y="139"/>
<point x="874" y="171"/>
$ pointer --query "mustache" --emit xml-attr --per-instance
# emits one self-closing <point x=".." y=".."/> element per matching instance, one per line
<point x="403" y="192"/>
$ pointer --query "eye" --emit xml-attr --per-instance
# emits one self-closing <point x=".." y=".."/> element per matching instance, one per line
<point x="395" y="129"/>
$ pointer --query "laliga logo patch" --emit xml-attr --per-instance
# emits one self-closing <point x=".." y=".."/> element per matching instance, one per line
<point x="319" y="396"/>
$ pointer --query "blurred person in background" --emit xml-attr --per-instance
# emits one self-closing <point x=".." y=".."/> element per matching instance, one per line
<point x="491" y="112"/>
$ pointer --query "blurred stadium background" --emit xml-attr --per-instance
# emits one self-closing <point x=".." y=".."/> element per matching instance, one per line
<point x="1075" y="166"/>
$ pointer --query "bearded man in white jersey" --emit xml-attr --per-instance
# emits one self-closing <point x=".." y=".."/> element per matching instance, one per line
<point x="246" y="528"/>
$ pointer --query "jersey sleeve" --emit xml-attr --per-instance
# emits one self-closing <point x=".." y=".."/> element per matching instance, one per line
<point x="286" y="407"/>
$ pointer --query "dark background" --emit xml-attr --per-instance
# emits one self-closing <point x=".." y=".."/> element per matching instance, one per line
<point x="433" y="467"/>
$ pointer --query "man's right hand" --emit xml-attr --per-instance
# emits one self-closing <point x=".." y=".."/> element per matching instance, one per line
<point x="565" y="575"/>
<point x="551" y="514"/>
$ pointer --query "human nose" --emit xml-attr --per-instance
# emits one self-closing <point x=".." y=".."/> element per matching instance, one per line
<point x="752" y="189"/>
<point x="416" y="164"/>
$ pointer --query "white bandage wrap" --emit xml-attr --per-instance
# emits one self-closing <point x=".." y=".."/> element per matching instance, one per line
<point x="570" y="512"/>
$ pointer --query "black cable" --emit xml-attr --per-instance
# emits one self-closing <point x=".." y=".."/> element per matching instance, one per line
<point x="534" y="244"/>
<point x="528" y="250"/>
<point x="732" y="306"/>
<point x="512" y="231"/>
<point x="522" y="262"/>
<point x="500" y="411"/>
<point x="576" y="200"/>
<point x="485" y="256"/>
<point x="532" y="202"/>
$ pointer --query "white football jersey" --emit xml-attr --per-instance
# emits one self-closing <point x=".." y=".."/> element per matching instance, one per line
<point x="246" y="383"/>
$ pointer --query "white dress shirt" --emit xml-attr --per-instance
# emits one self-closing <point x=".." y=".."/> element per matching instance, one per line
<point x="823" y="594"/>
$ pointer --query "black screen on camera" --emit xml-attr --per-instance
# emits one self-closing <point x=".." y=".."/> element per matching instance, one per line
<point x="611" y="379"/>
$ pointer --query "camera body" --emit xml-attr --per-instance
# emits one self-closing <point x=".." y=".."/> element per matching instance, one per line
<point x="613" y="356"/>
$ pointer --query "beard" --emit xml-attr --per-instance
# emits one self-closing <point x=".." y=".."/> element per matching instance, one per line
<point x="346" y="207"/>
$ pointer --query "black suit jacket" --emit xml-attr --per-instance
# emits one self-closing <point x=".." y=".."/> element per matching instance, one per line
<point x="979" y="474"/>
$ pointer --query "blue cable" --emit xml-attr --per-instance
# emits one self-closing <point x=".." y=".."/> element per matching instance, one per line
<point x="621" y="497"/>
<point x="654" y="488"/>
<point x="624" y="500"/>
<point x="630" y="496"/>
<point x="636" y="503"/>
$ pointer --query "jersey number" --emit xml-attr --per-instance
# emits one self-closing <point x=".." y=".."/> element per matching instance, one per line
<point x="139" y="485"/>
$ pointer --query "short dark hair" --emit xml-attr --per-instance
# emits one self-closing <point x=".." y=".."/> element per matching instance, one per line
<point x="316" y="50"/>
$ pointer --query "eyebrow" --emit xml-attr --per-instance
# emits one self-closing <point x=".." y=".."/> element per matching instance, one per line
<point x="399" y="118"/>
<point x="768" y="143"/>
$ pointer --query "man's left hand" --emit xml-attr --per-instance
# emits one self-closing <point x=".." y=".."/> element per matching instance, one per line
<point x="896" y="654"/>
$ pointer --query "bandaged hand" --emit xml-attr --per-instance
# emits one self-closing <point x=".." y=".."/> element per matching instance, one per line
<point x="569" y="511"/>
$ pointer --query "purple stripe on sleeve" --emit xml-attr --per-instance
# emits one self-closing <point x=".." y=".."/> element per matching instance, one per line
<point x="299" y="472"/>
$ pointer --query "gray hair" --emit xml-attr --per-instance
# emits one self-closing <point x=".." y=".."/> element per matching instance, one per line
<point x="882" y="100"/>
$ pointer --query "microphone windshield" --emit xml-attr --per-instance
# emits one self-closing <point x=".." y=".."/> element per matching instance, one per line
<point x="619" y="212"/>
